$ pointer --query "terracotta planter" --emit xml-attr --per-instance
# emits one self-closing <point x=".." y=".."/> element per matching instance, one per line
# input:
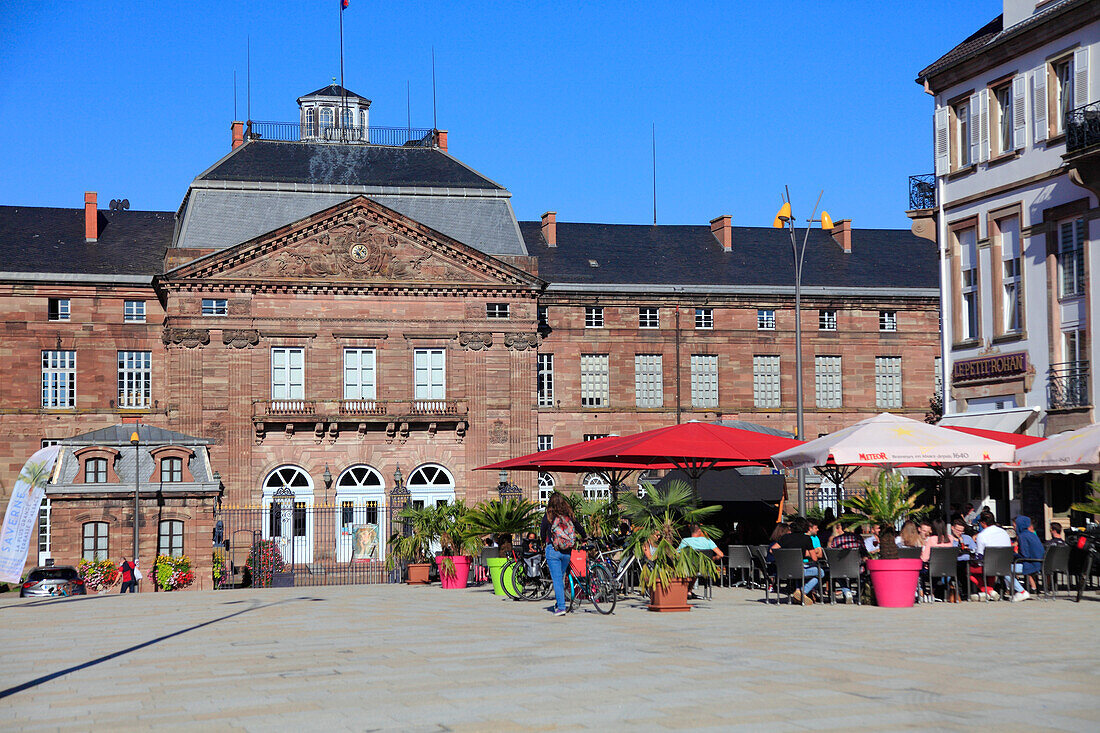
<point x="418" y="573"/>
<point x="895" y="581"/>
<point x="461" y="575"/>
<point x="672" y="597"/>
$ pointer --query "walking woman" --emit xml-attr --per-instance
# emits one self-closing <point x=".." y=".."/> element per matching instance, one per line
<point x="559" y="534"/>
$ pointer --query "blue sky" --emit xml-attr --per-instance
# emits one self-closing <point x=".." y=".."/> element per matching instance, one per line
<point x="553" y="100"/>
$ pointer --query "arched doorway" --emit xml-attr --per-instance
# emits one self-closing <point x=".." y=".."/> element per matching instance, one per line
<point x="360" y="511"/>
<point x="595" y="487"/>
<point x="288" y="496"/>
<point x="546" y="487"/>
<point x="430" y="484"/>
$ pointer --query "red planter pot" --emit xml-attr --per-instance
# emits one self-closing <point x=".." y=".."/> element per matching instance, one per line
<point x="418" y="573"/>
<point x="461" y="575"/>
<point x="895" y="581"/>
<point x="673" y="597"/>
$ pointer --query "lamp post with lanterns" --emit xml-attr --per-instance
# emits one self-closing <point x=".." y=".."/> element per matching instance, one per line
<point x="134" y="441"/>
<point x="399" y="497"/>
<point x="785" y="219"/>
<point x="506" y="490"/>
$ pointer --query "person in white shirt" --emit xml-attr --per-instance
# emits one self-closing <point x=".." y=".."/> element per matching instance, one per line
<point x="870" y="540"/>
<point x="991" y="535"/>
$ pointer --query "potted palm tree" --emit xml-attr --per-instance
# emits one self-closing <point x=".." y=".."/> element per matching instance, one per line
<point x="413" y="543"/>
<point x="662" y="519"/>
<point x="458" y="540"/>
<point x="887" y="501"/>
<point x="504" y="519"/>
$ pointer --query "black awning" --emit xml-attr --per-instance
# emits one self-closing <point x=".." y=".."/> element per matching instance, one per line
<point x="729" y="485"/>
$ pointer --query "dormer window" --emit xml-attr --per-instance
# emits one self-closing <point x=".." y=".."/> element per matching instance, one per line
<point x="171" y="470"/>
<point x="171" y="464"/>
<point x="95" y="471"/>
<point x="96" y="465"/>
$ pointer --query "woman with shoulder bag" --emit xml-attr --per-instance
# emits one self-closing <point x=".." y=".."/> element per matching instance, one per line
<point x="559" y="534"/>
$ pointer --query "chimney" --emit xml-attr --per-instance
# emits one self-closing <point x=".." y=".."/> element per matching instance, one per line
<point x="722" y="231"/>
<point x="91" y="217"/>
<point x="237" y="129"/>
<point x="842" y="234"/>
<point x="441" y="140"/>
<point x="550" y="228"/>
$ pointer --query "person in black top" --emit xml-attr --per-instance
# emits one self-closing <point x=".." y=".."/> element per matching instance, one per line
<point x="798" y="539"/>
<point x="558" y="560"/>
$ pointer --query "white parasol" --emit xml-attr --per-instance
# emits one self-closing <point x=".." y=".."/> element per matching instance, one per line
<point x="1074" y="450"/>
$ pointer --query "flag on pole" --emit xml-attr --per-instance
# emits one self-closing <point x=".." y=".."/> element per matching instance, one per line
<point x="344" y="4"/>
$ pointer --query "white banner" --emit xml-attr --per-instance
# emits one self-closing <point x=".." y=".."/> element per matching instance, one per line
<point x="21" y="519"/>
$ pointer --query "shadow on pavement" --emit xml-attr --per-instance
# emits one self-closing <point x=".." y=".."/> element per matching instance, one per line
<point x="91" y="663"/>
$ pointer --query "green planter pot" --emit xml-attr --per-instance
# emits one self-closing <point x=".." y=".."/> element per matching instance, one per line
<point x="496" y="564"/>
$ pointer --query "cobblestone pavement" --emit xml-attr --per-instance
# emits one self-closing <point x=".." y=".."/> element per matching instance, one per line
<point x="396" y="657"/>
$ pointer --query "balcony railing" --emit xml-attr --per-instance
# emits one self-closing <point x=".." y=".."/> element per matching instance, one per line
<point x="354" y="410"/>
<point x="922" y="192"/>
<point x="1083" y="127"/>
<point x="1068" y="385"/>
<point x="409" y="137"/>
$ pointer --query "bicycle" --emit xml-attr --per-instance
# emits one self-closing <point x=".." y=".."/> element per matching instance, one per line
<point x="529" y="575"/>
<point x="595" y="585"/>
<point x="621" y="569"/>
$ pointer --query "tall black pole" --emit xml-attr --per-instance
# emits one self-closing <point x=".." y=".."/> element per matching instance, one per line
<point x="343" y="91"/>
<point x="137" y="492"/>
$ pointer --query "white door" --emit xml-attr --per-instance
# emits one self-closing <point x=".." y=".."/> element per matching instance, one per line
<point x="360" y="515"/>
<point x="288" y="497"/>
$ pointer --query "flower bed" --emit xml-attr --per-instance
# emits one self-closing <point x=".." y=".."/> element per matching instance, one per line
<point x="264" y="560"/>
<point x="98" y="574"/>
<point x="218" y="567"/>
<point x="172" y="573"/>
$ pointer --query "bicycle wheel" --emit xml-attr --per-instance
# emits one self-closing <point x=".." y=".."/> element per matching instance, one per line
<point x="573" y="591"/>
<point x="601" y="590"/>
<point x="538" y="587"/>
<point x="508" y="579"/>
<point x="1084" y="577"/>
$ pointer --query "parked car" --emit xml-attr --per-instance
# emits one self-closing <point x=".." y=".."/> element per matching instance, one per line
<point x="58" y="580"/>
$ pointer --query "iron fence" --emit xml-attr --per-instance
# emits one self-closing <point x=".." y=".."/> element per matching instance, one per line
<point x="411" y="137"/>
<point x="922" y="192"/>
<point x="1082" y="127"/>
<point x="1068" y="384"/>
<point x="342" y="543"/>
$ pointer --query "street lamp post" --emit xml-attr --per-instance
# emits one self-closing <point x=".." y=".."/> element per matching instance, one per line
<point x="134" y="440"/>
<point x="506" y="490"/>
<point x="786" y="219"/>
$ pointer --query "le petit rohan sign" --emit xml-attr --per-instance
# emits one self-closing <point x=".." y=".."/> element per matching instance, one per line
<point x="995" y="366"/>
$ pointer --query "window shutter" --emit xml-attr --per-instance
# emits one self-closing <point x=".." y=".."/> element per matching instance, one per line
<point x="1039" y="101"/>
<point x="943" y="159"/>
<point x="974" y="109"/>
<point x="1019" y="111"/>
<point x="984" y="123"/>
<point x="1081" y="77"/>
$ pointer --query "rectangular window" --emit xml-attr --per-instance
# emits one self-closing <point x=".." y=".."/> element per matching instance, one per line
<point x="59" y="379"/>
<point x="960" y="139"/>
<point x="95" y="541"/>
<point x="827" y="382"/>
<point x="1012" y="296"/>
<point x="704" y="318"/>
<point x="299" y="519"/>
<point x="826" y="320"/>
<point x="288" y="373"/>
<point x="545" y="442"/>
<point x="171" y="470"/>
<point x="496" y="310"/>
<point x="360" y="374"/>
<point x="593" y="316"/>
<point x="95" y="471"/>
<point x="43" y="530"/>
<point x="888" y="321"/>
<point x="545" y="380"/>
<point x="765" y="320"/>
<point x="47" y="442"/>
<point x="1063" y="91"/>
<point x="888" y="381"/>
<point x="594" y="436"/>
<point x="215" y="307"/>
<point x="543" y="315"/>
<point x="937" y="364"/>
<point x="58" y="309"/>
<point x="649" y="318"/>
<point x="704" y="380"/>
<point x="595" y="380"/>
<point x="135" y="378"/>
<point x="370" y="515"/>
<point x="430" y="372"/>
<point x="648" y="383"/>
<point x="765" y="382"/>
<point x="170" y="541"/>
<point x="133" y="311"/>
<point x="1071" y="257"/>
<point x="1003" y="133"/>
<point x="347" y="513"/>
<point x="968" y="268"/>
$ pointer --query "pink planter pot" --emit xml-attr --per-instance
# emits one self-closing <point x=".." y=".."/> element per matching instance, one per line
<point x="895" y="581"/>
<point x="461" y="576"/>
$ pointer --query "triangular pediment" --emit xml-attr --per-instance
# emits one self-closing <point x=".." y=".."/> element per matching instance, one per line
<point x="356" y="243"/>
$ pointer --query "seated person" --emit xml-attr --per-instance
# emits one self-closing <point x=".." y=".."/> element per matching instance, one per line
<point x="992" y="535"/>
<point x="1029" y="554"/>
<point x="1056" y="536"/>
<point x="814" y="530"/>
<point x="531" y="545"/>
<point x="938" y="536"/>
<point x="967" y="548"/>
<point x="870" y="540"/>
<point x="798" y="539"/>
<point x="845" y="539"/>
<point x="909" y="536"/>
<point x="701" y="543"/>
<point x="780" y="530"/>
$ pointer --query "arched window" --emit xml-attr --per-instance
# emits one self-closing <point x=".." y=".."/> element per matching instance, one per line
<point x="290" y="477"/>
<point x="358" y="491"/>
<point x="325" y="118"/>
<point x="311" y="129"/>
<point x="646" y="481"/>
<point x="431" y="484"/>
<point x="596" y="487"/>
<point x="360" y="479"/>
<point x="95" y="541"/>
<point x="546" y="487"/>
<point x="170" y="540"/>
<point x="95" y="471"/>
<point x="292" y="480"/>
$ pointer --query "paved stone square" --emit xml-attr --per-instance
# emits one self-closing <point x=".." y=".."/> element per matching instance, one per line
<point x="425" y="659"/>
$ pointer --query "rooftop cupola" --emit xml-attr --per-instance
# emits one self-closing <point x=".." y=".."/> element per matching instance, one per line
<point x="334" y="113"/>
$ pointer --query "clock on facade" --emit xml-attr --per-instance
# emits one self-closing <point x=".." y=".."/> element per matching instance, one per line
<point x="358" y="252"/>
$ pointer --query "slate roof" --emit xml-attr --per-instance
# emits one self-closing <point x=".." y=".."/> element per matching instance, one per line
<point x="761" y="256"/>
<point x="334" y="90"/>
<point x="49" y="240"/>
<point x="355" y="165"/>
